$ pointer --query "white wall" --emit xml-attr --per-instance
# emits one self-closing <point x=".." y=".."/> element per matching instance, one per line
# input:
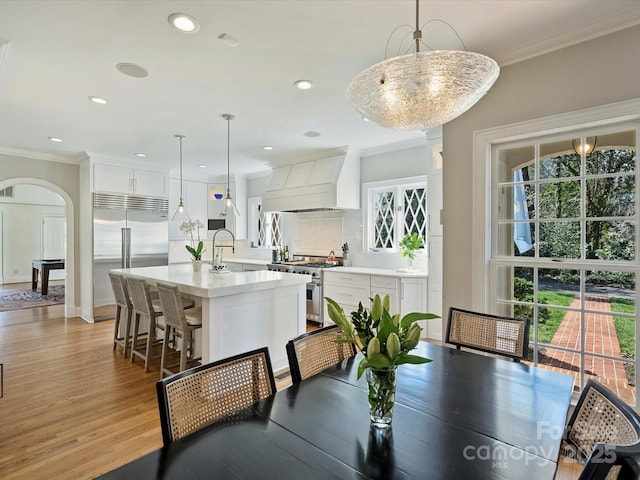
<point x="63" y="178"/>
<point x="316" y="233"/>
<point x="598" y="72"/>
<point x="22" y="229"/>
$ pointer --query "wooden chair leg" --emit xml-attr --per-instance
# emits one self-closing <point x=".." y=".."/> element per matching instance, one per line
<point x="165" y="348"/>
<point x="127" y="336"/>
<point x="116" y="326"/>
<point x="134" y="338"/>
<point x="186" y="341"/>
<point x="150" y="338"/>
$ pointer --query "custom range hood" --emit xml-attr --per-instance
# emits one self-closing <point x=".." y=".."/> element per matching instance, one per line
<point x="331" y="183"/>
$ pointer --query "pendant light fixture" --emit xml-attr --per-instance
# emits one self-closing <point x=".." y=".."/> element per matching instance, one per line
<point x="181" y="214"/>
<point x="588" y="146"/>
<point x="229" y="207"/>
<point x="421" y="90"/>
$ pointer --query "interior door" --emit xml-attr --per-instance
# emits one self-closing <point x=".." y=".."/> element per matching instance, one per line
<point x="54" y="241"/>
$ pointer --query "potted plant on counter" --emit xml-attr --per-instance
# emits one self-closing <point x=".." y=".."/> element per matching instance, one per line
<point x="195" y="250"/>
<point x="409" y="245"/>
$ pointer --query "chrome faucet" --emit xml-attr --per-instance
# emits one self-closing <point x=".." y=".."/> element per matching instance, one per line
<point x="233" y="238"/>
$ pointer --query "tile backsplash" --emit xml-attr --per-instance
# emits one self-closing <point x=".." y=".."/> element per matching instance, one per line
<point x="320" y="235"/>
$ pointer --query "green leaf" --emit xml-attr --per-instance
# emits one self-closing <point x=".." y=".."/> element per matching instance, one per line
<point x="406" y="358"/>
<point x="386" y="327"/>
<point x="196" y="253"/>
<point x="409" y="244"/>
<point x="379" y="360"/>
<point x="409" y="318"/>
<point x="362" y="366"/>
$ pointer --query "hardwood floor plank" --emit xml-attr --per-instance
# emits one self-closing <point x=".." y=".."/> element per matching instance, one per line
<point x="73" y="408"/>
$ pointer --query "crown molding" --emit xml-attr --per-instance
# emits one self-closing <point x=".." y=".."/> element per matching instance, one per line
<point x="570" y="38"/>
<point x="74" y="158"/>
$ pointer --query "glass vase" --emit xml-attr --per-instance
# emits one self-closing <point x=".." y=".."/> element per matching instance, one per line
<point x="382" y="394"/>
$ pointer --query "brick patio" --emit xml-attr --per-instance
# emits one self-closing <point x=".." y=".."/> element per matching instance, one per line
<point x="600" y="338"/>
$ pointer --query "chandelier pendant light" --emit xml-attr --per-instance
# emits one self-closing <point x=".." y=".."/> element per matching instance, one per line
<point x="421" y="90"/>
<point x="181" y="214"/>
<point x="229" y="207"/>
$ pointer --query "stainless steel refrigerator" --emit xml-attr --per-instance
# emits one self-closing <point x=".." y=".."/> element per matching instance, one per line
<point x="128" y="231"/>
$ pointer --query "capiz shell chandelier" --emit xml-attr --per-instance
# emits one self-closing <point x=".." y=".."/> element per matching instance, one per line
<point x="421" y="90"/>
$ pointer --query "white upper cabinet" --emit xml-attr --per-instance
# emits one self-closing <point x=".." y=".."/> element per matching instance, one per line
<point x="129" y="181"/>
<point x="194" y="195"/>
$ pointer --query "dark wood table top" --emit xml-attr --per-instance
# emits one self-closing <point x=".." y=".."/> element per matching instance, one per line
<point x="52" y="264"/>
<point x="463" y="416"/>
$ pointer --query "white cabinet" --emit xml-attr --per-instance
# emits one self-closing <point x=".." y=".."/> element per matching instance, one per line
<point x="215" y="206"/>
<point x="243" y="267"/>
<point x="383" y="285"/>
<point x="347" y="289"/>
<point x="252" y="267"/>
<point x="116" y="179"/>
<point x="406" y="295"/>
<point x="194" y="195"/>
<point x="414" y="298"/>
<point x="233" y="266"/>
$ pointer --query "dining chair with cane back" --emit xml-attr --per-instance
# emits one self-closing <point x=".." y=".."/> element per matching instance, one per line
<point x="600" y="416"/>
<point x="505" y="336"/>
<point x="180" y="323"/>
<point x="314" y="351"/>
<point x="612" y="462"/>
<point x="197" y="397"/>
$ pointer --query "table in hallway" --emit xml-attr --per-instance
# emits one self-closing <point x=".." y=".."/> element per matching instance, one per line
<point x="43" y="267"/>
<point x="463" y="415"/>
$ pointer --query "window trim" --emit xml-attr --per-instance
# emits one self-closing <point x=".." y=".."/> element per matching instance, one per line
<point x="484" y="141"/>
<point x="368" y="188"/>
<point x="484" y="266"/>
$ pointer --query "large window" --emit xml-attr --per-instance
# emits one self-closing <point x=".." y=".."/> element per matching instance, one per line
<point x="564" y="251"/>
<point x="394" y="209"/>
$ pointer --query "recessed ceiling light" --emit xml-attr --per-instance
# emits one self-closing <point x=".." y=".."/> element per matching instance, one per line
<point x="55" y="139"/>
<point x="303" y="84"/>
<point x="202" y="166"/>
<point x="311" y="133"/>
<point x="132" y="70"/>
<point x="98" y="100"/>
<point x="267" y="147"/>
<point x="140" y="154"/>
<point x="365" y="119"/>
<point x="228" y="39"/>
<point x="183" y="22"/>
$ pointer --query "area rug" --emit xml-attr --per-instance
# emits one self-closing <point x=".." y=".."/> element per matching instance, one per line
<point x="20" y="299"/>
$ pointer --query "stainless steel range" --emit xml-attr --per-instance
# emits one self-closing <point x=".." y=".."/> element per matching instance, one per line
<point x="308" y="266"/>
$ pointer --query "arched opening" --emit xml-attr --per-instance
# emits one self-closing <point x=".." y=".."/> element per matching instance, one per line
<point x="69" y="283"/>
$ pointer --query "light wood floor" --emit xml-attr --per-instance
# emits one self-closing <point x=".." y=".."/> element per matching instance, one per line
<point x="72" y="407"/>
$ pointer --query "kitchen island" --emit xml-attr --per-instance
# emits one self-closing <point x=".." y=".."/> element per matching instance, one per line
<point x="241" y="311"/>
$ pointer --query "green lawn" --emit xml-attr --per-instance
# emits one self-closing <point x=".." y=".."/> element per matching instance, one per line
<point x="548" y="328"/>
<point x="625" y="327"/>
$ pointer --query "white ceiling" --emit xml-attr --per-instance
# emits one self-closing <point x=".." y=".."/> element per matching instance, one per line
<point x="58" y="53"/>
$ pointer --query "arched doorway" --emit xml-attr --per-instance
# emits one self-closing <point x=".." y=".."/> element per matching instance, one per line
<point x="70" y="250"/>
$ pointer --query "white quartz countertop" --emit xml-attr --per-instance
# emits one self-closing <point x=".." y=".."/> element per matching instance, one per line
<point x="210" y="285"/>
<point x="248" y="261"/>
<point x="387" y="272"/>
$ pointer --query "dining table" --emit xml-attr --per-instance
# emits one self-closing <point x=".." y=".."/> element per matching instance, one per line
<point x="463" y="415"/>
